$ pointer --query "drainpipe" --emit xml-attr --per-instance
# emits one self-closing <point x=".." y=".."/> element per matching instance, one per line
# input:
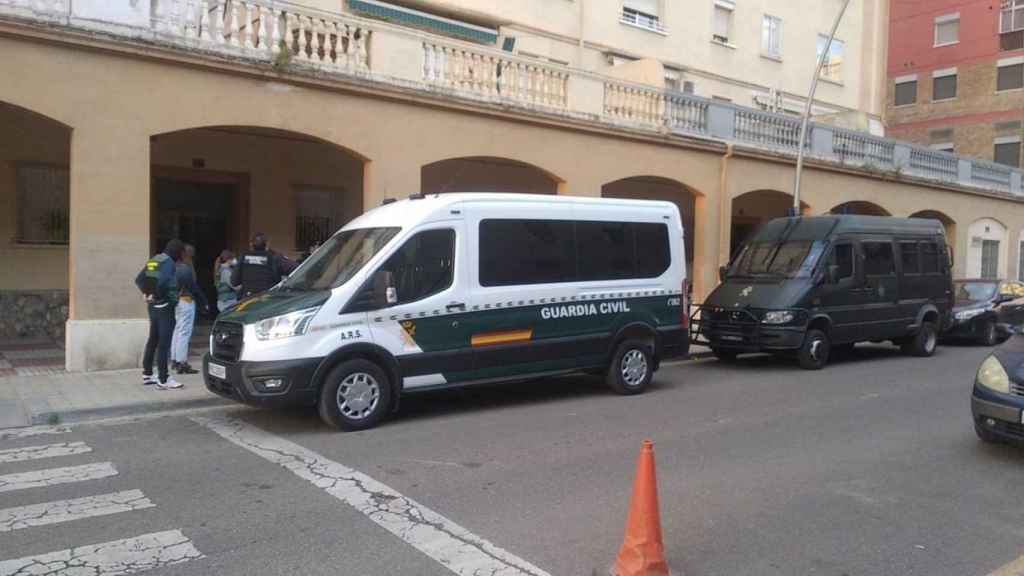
<point x="724" y="210"/>
<point x="807" y="109"/>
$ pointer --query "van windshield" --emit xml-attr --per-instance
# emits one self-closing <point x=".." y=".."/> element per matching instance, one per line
<point x="791" y="259"/>
<point x="339" y="259"/>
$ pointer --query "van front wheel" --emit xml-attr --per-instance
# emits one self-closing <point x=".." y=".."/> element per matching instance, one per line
<point x="632" y="368"/>
<point x="923" y="343"/>
<point x="815" y="350"/>
<point x="355" y="395"/>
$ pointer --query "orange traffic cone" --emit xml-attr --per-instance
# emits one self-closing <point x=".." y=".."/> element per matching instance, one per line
<point x="642" y="552"/>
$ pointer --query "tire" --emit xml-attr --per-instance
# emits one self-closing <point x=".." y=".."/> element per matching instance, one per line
<point x="815" y="350"/>
<point x="989" y="334"/>
<point x="724" y="355"/>
<point x="985" y="436"/>
<point x="367" y="401"/>
<point x="923" y="343"/>
<point x="631" y="369"/>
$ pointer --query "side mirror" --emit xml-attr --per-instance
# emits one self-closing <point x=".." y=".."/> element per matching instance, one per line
<point x="832" y="274"/>
<point x="723" y="271"/>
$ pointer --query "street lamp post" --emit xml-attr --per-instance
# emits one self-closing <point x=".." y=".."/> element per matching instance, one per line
<point x="807" y="108"/>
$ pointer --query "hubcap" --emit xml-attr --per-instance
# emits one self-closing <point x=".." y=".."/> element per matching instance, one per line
<point x="930" y="341"/>
<point x="634" y="368"/>
<point x="815" y="347"/>
<point x="358" y="395"/>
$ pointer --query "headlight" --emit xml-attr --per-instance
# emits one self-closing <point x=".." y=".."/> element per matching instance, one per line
<point x="778" y="317"/>
<point x="993" y="376"/>
<point x="285" y="326"/>
<point x="968" y="314"/>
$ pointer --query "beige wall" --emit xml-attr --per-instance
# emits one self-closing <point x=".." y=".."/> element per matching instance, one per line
<point x="485" y="175"/>
<point x="30" y="139"/>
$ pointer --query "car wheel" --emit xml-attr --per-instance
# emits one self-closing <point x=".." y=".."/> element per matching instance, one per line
<point x="923" y="343"/>
<point x="724" y="355"/>
<point x="989" y="334"/>
<point x="815" y="350"/>
<point x="355" y="395"/>
<point x="631" y="369"/>
<point x="986" y="435"/>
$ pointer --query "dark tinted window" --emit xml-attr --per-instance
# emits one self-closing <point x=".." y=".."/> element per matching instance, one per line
<point x="930" y="263"/>
<point x="526" y="252"/>
<point x="606" y="249"/>
<point x="1010" y="77"/>
<point x="909" y="259"/>
<point x="906" y="93"/>
<point x="1007" y="153"/>
<point x="842" y="256"/>
<point x="423" y="266"/>
<point x="944" y="87"/>
<point x="652" y="250"/>
<point x="878" y="260"/>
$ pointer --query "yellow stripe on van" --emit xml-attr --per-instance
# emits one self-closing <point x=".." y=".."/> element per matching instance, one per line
<point x="501" y="337"/>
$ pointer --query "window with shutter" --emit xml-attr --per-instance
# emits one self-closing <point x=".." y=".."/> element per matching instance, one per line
<point x="947" y="29"/>
<point x="723" y="24"/>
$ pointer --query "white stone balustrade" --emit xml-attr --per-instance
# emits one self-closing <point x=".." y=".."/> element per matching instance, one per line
<point x="492" y="75"/>
<point x="652" y="106"/>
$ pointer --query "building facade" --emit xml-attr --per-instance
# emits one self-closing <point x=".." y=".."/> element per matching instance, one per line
<point x="127" y="123"/>
<point x="956" y="76"/>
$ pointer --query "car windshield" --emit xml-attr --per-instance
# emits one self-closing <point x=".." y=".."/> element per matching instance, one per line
<point x="791" y="259"/>
<point x="339" y="259"/>
<point x="975" y="291"/>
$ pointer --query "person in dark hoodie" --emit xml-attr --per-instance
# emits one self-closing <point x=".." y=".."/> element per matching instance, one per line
<point x="159" y="286"/>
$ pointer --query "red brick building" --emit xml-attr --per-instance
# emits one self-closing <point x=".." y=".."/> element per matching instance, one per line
<point x="956" y="76"/>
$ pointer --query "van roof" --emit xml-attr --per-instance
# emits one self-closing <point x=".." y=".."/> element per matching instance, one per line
<point x="819" y="227"/>
<point x="420" y="208"/>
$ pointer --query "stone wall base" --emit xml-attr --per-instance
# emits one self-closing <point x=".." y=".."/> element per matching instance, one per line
<point x="105" y="344"/>
<point x="33" y="314"/>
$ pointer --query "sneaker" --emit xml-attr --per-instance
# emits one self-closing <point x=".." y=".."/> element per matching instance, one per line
<point x="171" y="384"/>
<point x="186" y="369"/>
<point x="149" y="379"/>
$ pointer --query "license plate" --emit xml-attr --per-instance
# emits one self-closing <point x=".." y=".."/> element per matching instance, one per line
<point x="217" y="371"/>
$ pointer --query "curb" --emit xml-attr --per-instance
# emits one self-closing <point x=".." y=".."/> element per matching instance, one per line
<point x="86" y="414"/>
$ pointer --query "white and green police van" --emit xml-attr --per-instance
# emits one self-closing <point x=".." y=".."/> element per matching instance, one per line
<point x="456" y="290"/>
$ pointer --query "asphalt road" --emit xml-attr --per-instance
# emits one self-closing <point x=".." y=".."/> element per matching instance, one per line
<point x="868" y="467"/>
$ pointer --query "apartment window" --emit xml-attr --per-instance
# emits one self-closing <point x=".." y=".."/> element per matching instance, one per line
<point x="642" y="13"/>
<point x="990" y="258"/>
<point x="1011" y="16"/>
<point x="947" y="29"/>
<point x="722" y="29"/>
<point x="833" y="68"/>
<point x="1010" y="74"/>
<point x="906" y="90"/>
<point x="771" y="36"/>
<point x="944" y="84"/>
<point x="43" y="205"/>
<point x="1007" y="151"/>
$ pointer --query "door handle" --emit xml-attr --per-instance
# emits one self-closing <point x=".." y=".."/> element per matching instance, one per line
<point x="455" y="306"/>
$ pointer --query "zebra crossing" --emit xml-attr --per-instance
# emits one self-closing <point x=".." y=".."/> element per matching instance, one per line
<point x="133" y="554"/>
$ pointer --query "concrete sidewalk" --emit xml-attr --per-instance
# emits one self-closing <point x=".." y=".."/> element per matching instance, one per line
<point x="67" y="397"/>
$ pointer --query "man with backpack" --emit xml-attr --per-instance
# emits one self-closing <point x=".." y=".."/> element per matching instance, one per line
<point x="159" y="285"/>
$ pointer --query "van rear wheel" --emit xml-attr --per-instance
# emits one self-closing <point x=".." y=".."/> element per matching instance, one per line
<point x="355" y="395"/>
<point x="815" y="350"/>
<point x="632" y="368"/>
<point x="923" y="343"/>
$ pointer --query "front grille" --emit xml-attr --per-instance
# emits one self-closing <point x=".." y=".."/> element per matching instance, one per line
<point x="1017" y="388"/>
<point x="1012" y="428"/>
<point x="227" y="341"/>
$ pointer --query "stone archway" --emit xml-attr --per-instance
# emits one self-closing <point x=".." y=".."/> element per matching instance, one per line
<point x="948" y="224"/>
<point x="752" y="209"/>
<point x="861" y="207"/>
<point x="987" y="249"/>
<point x="487" y="174"/>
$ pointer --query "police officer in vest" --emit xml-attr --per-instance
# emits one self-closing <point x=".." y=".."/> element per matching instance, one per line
<point x="260" y="269"/>
<point x="159" y="285"/>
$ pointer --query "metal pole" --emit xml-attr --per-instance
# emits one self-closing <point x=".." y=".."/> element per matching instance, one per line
<point x="807" y="109"/>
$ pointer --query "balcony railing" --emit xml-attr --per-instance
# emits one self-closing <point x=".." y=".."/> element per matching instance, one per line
<point x="296" y="39"/>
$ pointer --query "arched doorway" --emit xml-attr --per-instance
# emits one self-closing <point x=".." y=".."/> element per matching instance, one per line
<point x="486" y="174"/>
<point x="215" y="186"/>
<point x="947" y="223"/>
<point x="35" y="201"/>
<point x="987" y="249"/>
<point x="860" y="207"/>
<point x="754" y="208"/>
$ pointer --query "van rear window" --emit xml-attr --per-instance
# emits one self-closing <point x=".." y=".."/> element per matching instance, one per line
<point x="516" y="252"/>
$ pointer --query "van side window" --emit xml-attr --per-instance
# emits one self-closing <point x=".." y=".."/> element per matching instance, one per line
<point x="652" y="250"/>
<point x="423" y="266"/>
<point x="930" y="262"/>
<point x="606" y="250"/>
<point x="909" y="259"/>
<point x="514" y="252"/>
<point x="878" y="259"/>
<point x="842" y="256"/>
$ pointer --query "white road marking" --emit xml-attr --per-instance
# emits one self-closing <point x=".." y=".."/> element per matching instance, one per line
<point x="75" y="509"/>
<point x="32" y="431"/>
<point x="1015" y="568"/>
<point x="43" y="451"/>
<point x="451" y="545"/>
<point x="51" y="476"/>
<point x="119" y="557"/>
